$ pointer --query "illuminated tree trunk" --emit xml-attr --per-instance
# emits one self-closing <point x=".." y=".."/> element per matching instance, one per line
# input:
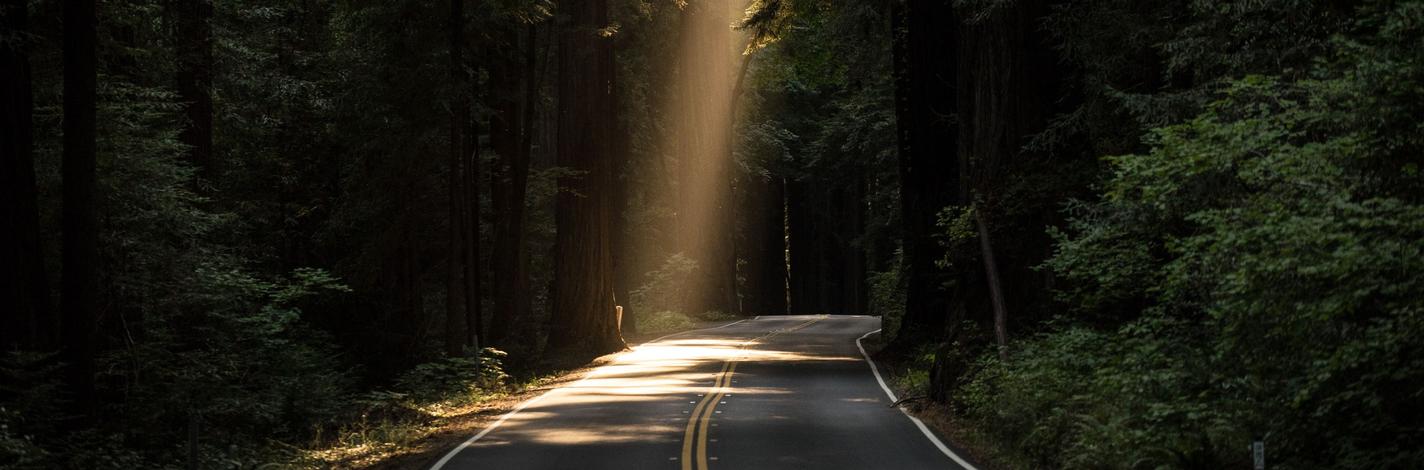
<point x="705" y="211"/>
<point x="583" y="318"/>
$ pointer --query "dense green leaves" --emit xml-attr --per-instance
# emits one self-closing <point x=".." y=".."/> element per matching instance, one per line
<point x="1263" y="262"/>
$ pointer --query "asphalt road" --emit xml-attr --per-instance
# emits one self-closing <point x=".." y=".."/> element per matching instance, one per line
<point x="765" y="393"/>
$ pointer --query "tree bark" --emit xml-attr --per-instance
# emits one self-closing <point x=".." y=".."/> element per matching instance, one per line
<point x="470" y="152"/>
<point x="924" y="46"/>
<point x="622" y="253"/>
<point x="583" y="318"/>
<point x="79" y="284"/>
<point x="454" y="277"/>
<point x="705" y="232"/>
<point x="470" y="218"/>
<point x="24" y="289"/>
<point x="996" y="293"/>
<point x="510" y="135"/>
<point x="765" y="229"/>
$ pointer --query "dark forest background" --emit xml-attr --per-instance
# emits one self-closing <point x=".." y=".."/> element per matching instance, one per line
<point x="1101" y="234"/>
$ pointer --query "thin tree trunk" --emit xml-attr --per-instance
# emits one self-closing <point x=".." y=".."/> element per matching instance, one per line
<point x="474" y="307"/>
<point x="996" y="293"/>
<point x="79" y="284"/>
<point x="454" y="278"/>
<point x="470" y="151"/>
<point x="622" y="259"/>
<point x="24" y="290"/>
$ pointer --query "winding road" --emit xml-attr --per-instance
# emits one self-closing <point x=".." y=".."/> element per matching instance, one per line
<point x="763" y="393"/>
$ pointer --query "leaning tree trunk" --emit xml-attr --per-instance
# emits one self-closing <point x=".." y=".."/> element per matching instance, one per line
<point x="583" y="319"/>
<point x="996" y="292"/>
<point x="79" y="285"/>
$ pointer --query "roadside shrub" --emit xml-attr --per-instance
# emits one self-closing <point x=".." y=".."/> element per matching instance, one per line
<point x="665" y="288"/>
<point x="887" y="297"/>
<point x="454" y="376"/>
<point x="1258" y="273"/>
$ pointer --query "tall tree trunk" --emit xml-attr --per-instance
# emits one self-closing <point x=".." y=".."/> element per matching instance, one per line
<point x="454" y="277"/>
<point x="583" y="318"/>
<point x="924" y="68"/>
<point x="765" y="229"/>
<point x="79" y="285"/>
<point x="470" y="227"/>
<point x="801" y="240"/>
<point x="24" y="290"/>
<point x="622" y="253"/>
<point x="195" y="80"/>
<point x="703" y="145"/>
<point x="508" y="137"/>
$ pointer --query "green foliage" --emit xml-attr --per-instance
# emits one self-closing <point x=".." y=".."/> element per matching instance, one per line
<point x="887" y="296"/>
<point x="454" y="376"/>
<point x="666" y="287"/>
<point x="1143" y="396"/>
<point x="956" y="233"/>
<point x="664" y="321"/>
<point x="1262" y="267"/>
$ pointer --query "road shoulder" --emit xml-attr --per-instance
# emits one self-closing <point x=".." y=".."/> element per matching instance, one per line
<point x="444" y="434"/>
<point x="960" y="436"/>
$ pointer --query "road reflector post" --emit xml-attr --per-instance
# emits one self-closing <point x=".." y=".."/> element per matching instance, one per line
<point x="619" y="316"/>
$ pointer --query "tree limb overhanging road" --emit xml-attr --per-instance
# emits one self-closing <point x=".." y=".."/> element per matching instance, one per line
<point x="770" y="392"/>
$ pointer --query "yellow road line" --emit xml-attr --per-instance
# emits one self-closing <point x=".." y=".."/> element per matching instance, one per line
<point x="701" y="417"/>
<point x="697" y="412"/>
<point x="707" y="417"/>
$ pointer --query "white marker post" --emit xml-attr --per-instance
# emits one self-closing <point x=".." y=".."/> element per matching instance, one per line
<point x="1258" y="454"/>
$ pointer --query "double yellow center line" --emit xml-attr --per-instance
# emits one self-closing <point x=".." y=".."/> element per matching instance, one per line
<point x="702" y="415"/>
<point x="696" y="433"/>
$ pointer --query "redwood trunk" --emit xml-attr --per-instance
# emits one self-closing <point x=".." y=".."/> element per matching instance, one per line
<point x="509" y="136"/>
<point x="79" y="284"/>
<point x="454" y="276"/>
<point x="24" y="291"/>
<point x="583" y="319"/>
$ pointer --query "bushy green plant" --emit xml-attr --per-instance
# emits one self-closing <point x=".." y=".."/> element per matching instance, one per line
<point x="452" y="376"/>
<point x="1258" y="272"/>
<point x="666" y="287"/>
<point x="664" y="321"/>
<point x="887" y="296"/>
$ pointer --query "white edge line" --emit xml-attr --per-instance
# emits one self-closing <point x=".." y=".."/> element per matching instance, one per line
<point x="448" y="456"/>
<point x="919" y="424"/>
